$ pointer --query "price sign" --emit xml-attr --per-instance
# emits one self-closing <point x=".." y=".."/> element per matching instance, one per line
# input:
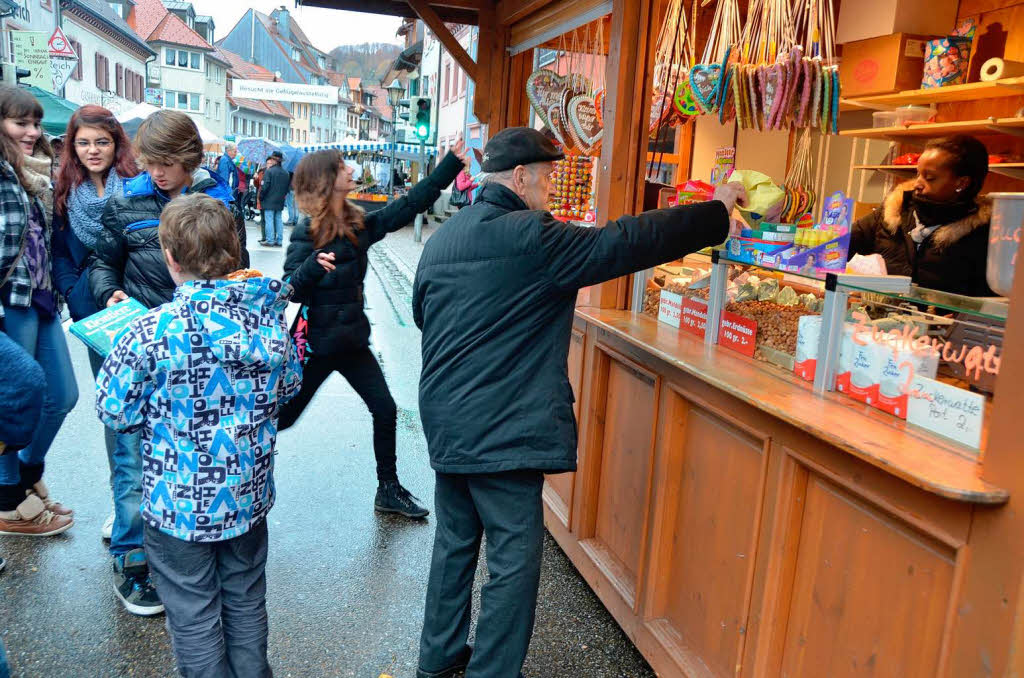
<point x="947" y="410"/>
<point x="738" y="333"/>
<point x="670" y="308"/>
<point x="694" y="316"/>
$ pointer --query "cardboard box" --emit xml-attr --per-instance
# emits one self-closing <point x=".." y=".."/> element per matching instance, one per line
<point x="873" y="18"/>
<point x="892" y="63"/>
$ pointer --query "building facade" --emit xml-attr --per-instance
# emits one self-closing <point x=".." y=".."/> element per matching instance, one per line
<point x="186" y="75"/>
<point x="111" y="57"/>
<point x="249" y="117"/>
<point x="276" y="42"/>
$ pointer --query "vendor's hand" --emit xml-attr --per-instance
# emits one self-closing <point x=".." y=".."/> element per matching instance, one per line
<point x="460" y="150"/>
<point x="116" y="298"/>
<point x="731" y="194"/>
<point x="326" y="260"/>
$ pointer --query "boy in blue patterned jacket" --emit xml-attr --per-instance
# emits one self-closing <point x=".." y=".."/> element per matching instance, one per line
<point x="204" y="377"/>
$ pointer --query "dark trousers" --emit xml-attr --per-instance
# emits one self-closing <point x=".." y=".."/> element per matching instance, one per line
<point x="215" y="596"/>
<point x="507" y="508"/>
<point x="363" y="373"/>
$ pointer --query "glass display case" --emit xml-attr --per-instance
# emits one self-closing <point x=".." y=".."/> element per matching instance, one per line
<point x="920" y="355"/>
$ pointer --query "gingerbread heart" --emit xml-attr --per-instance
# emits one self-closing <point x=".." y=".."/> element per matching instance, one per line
<point x="705" y="80"/>
<point x="726" y="100"/>
<point x="661" y="110"/>
<point x="584" y="126"/>
<point x="774" y="94"/>
<point x="557" y="125"/>
<point x="544" y="89"/>
<point x="754" y="91"/>
<point x="806" y="91"/>
<point x="834" y="127"/>
<point x="599" y="104"/>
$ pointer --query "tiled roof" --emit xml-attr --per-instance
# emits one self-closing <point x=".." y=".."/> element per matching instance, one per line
<point x="154" y="23"/>
<point x="243" y="69"/>
<point x="353" y="83"/>
<point x="265" y="107"/>
<point x="113" y="21"/>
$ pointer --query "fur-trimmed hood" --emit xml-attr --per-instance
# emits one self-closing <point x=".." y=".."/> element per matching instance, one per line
<point x="944" y="236"/>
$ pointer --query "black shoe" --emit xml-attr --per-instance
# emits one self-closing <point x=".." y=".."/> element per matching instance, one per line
<point x="460" y="665"/>
<point x="133" y="586"/>
<point x="264" y="243"/>
<point x="393" y="498"/>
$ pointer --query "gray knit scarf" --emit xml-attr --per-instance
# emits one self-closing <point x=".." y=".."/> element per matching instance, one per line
<point x="85" y="207"/>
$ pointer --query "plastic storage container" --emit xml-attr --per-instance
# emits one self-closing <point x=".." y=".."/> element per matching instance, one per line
<point x="1004" y="239"/>
<point x="884" y="119"/>
<point x="910" y="114"/>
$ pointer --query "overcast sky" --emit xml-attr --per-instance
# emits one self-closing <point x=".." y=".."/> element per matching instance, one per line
<point x="326" y="28"/>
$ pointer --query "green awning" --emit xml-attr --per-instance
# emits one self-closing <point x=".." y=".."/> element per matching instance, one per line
<point x="56" y="110"/>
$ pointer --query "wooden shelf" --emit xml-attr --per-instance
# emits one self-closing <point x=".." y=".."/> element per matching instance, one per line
<point x="974" y="91"/>
<point x="1011" y="126"/>
<point x="1014" y="170"/>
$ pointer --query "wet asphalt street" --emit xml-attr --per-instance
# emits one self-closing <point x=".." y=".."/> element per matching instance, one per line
<point x="346" y="585"/>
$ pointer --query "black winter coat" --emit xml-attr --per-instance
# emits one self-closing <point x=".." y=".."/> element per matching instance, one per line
<point x="495" y="295"/>
<point x="336" y="319"/>
<point x="274" y="189"/>
<point x="128" y="255"/>
<point x="952" y="259"/>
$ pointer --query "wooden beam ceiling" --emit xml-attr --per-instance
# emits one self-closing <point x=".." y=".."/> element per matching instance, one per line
<point x="449" y="11"/>
<point x="430" y="17"/>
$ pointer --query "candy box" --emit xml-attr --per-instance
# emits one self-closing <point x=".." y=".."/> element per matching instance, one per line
<point x="860" y="361"/>
<point x="807" y="335"/>
<point x="882" y="65"/>
<point x="694" y="191"/>
<point x="901" y="365"/>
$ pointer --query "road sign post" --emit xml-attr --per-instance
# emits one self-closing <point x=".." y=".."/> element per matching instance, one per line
<point x="417" y="232"/>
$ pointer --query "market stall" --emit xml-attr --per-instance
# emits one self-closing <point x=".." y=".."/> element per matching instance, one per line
<point x="784" y="469"/>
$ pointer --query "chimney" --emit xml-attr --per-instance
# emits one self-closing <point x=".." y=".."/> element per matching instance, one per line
<point x="283" y="19"/>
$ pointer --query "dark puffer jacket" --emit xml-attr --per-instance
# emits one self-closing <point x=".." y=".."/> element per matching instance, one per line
<point x="337" y="322"/>
<point x="128" y="255"/>
<point x="952" y="259"/>
<point x="495" y="295"/>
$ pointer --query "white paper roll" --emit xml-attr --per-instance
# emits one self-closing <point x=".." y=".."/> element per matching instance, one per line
<point x="997" y="69"/>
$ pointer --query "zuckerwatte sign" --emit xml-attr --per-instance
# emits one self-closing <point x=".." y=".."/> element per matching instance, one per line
<point x="284" y="91"/>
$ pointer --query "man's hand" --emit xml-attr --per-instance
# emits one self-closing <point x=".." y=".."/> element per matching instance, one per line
<point x="326" y="260"/>
<point x="731" y="194"/>
<point x="116" y="298"/>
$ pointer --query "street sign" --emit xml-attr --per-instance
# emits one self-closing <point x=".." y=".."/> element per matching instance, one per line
<point x="63" y="60"/>
<point x="30" y="52"/>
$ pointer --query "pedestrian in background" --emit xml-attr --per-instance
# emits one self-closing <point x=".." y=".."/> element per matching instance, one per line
<point x="22" y="402"/>
<point x="129" y="263"/>
<point x="274" y="189"/>
<point x="227" y="170"/>
<point x="206" y="532"/>
<point x="494" y="294"/>
<point x="29" y="311"/>
<point x="97" y="161"/>
<point x="326" y="264"/>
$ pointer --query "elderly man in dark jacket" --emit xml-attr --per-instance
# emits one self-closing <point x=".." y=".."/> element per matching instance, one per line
<point x="494" y="296"/>
<point x="273" y="191"/>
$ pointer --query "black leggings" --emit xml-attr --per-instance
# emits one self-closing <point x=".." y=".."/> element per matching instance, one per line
<point x="363" y="373"/>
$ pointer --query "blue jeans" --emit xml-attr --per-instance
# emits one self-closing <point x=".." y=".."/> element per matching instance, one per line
<point x="274" y="226"/>
<point x="289" y="202"/>
<point x="43" y="339"/>
<point x="124" y="457"/>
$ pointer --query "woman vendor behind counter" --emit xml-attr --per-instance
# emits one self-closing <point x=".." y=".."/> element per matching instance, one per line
<point x="935" y="228"/>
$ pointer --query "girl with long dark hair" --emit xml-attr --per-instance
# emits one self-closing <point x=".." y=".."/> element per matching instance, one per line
<point x="326" y="264"/>
<point x="96" y="161"/>
<point x="29" y="311"/>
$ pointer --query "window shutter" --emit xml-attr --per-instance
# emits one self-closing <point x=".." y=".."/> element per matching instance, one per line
<point x="98" y="67"/>
<point x="119" y="79"/>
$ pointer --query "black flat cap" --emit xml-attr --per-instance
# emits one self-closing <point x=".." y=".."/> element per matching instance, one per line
<point x="518" y="146"/>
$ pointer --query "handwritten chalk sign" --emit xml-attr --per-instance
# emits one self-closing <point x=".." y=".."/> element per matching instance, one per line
<point x="949" y="411"/>
<point x="670" y="309"/>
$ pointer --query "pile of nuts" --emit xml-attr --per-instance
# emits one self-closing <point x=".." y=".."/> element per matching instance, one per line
<point x="776" y="324"/>
<point x="573" y="188"/>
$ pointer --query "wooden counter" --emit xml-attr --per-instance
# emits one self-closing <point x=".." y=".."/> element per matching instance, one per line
<point x="735" y="523"/>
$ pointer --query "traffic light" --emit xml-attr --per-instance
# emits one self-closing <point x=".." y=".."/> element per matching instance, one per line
<point x="421" y="117"/>
<point x="12" y="75"/>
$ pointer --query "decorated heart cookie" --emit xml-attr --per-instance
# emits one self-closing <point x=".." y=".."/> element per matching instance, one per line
<point x="704" y="82"/>
<point x="661" y="109"/>
<point x="599" y="105"/>
<point x="584" y="126"/>
<point x="557" y="125"/>
<point x="544" y="89"/>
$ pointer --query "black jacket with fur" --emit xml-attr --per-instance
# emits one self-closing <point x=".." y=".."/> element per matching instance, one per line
<point x="951" y="259"/>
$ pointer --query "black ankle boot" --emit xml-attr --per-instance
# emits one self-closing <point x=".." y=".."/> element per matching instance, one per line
<point x="393" y="498"/>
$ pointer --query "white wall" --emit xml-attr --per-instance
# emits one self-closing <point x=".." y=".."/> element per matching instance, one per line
<point x="215" y="115"/>
<point x="85" y="91"/>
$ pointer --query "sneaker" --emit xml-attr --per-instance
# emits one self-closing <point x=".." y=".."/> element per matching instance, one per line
<point x="108" y="527"/>
<point x="264" y="242"/>
<point x="133" y="586"/>
<point x="43" y="492"/>
<point x="393" y="498"/>
<point x="32" y="519"/>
